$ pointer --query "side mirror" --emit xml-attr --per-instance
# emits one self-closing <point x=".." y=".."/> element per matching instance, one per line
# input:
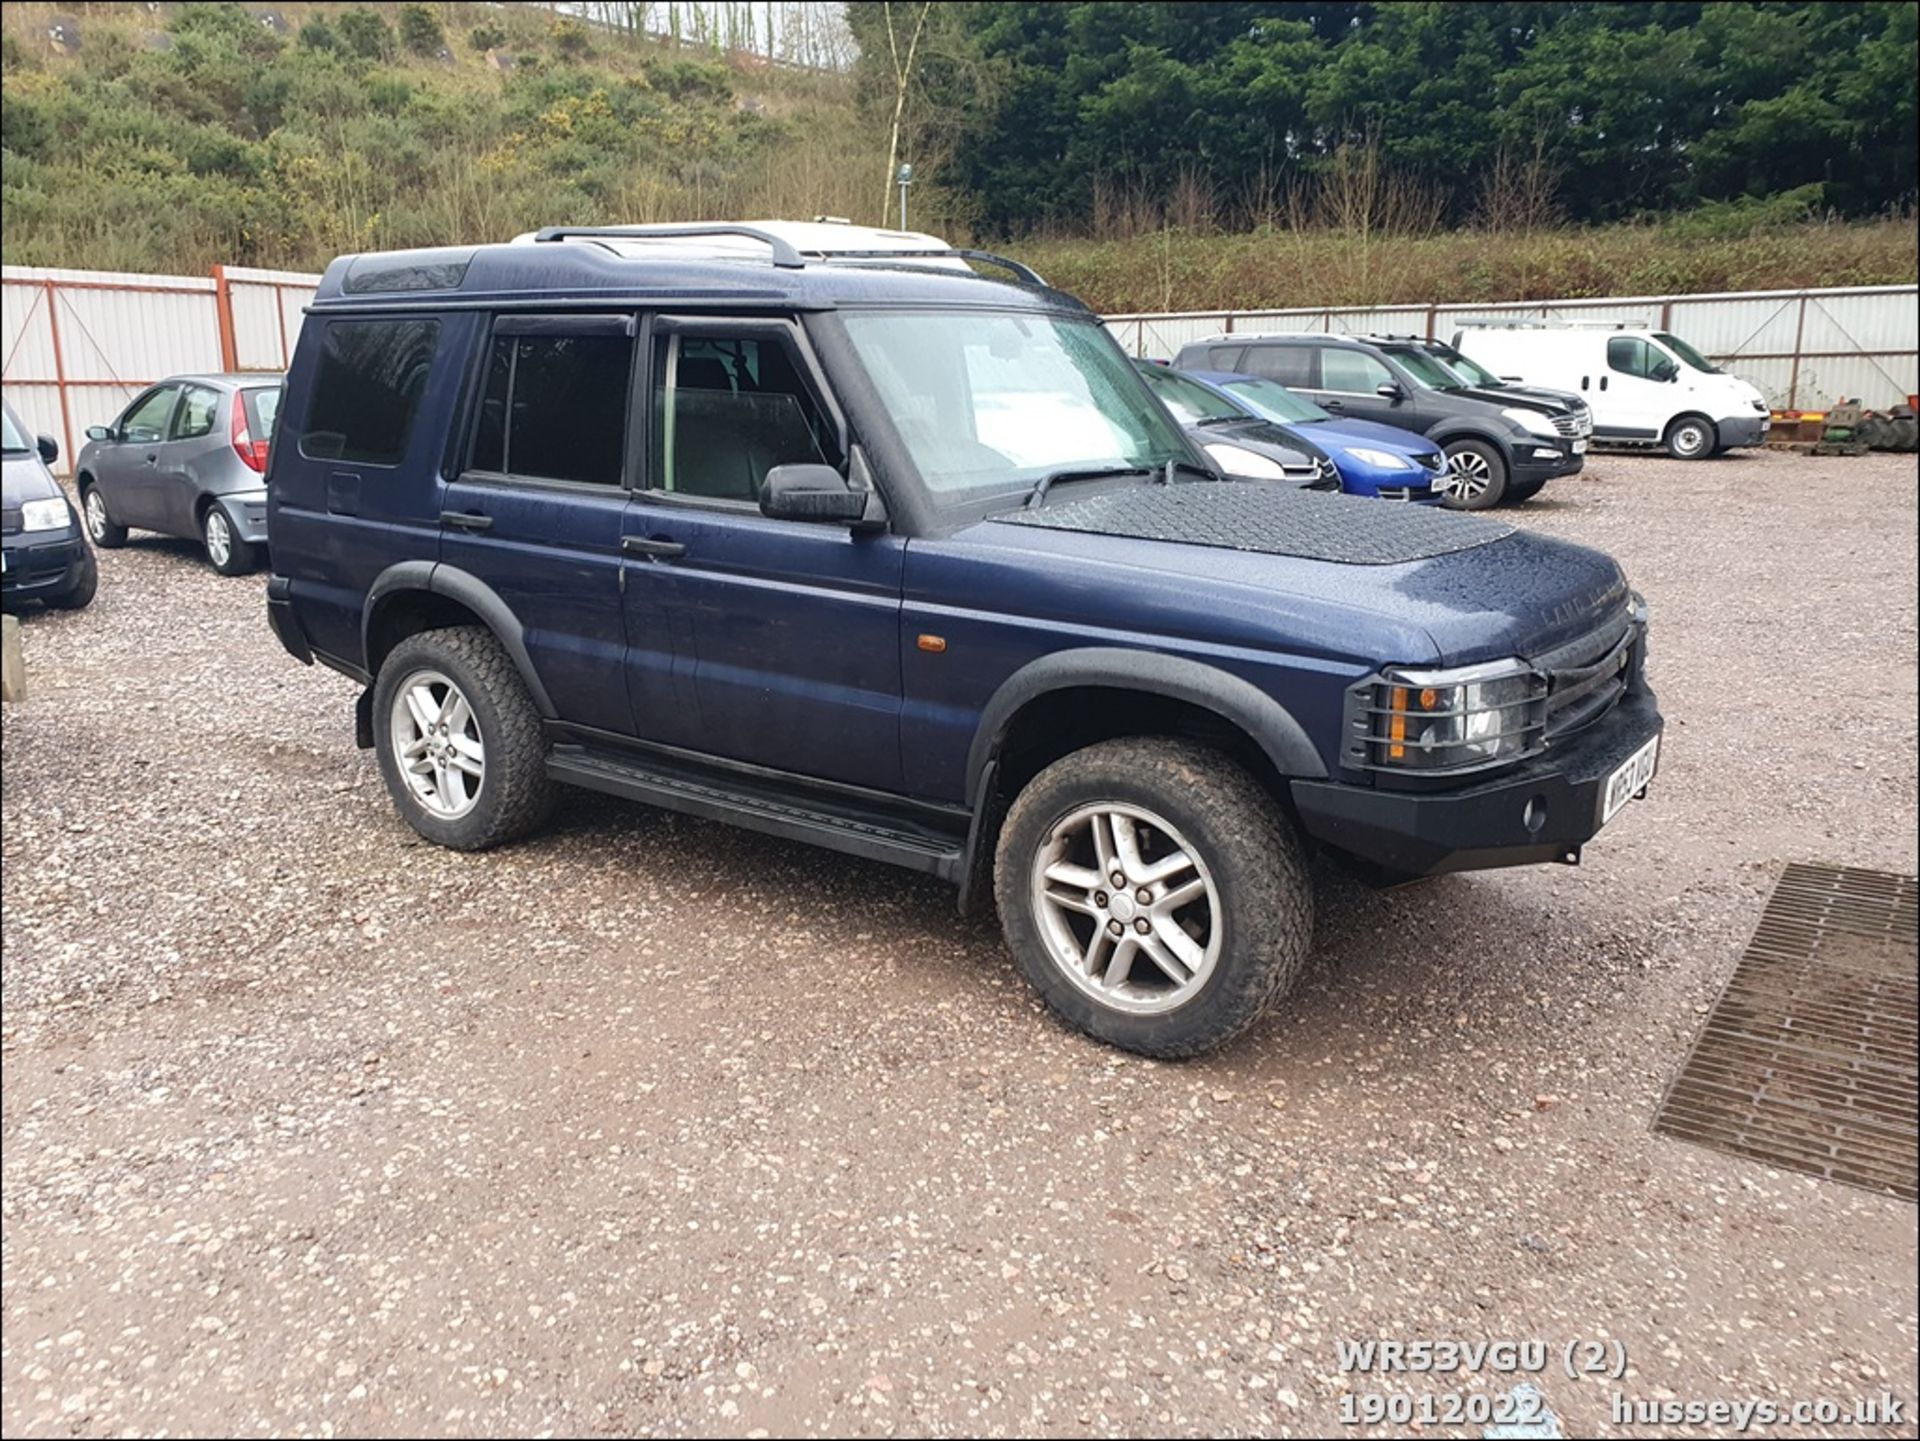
<point x="811" y="492"/>
<point x="1389" y="391"/>
<point x="99" y="432"/>
<point x="49" y="448"/>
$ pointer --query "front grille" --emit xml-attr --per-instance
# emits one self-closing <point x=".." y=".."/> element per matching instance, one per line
<point x="1403" y="492"/>
<point x="1567" y="425"/>
<point x="1317" y="475"/>
<point x="1586" y="679"/>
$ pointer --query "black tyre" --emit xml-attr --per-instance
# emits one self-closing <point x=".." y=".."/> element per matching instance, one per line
<point x="79" y="595"/>
<point x="226" y="552"/>
<point x="1523" y="490"/>
<point x="1154" y="894"/>
<point x="459" y="740"/>
<point x="1692" y="437"/>
<point x="1476" y="477"/>
<point x="100" y="525"/>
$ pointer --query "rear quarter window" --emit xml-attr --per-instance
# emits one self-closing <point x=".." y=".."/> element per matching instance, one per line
<point x="1291" y="365"/>
<point x="367" y="386"/>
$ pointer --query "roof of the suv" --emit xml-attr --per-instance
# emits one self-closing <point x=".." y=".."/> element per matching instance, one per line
<point x="635" y="264"/>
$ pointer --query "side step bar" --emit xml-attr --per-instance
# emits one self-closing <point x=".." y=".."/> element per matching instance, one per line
<point x="831" y="821"/>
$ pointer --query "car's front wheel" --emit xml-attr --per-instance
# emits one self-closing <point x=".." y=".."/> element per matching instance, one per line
<point x="101" y="529"/>
<point x="1154" y="894"/>
<point x="1692" y="437"/>
<point x="459" y="740"/>
<point x="86" y="581"/>
<point x="226" y="552"/>
<point x="1476" y="475"/>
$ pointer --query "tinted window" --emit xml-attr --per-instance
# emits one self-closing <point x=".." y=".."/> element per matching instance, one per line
<point x="1352" y="372"/>
<point x="1226" y="357"/>
<point x="198" y="406"/>
<point x="554" y="407"/>
<point x="1630" y="355"/>
<point x="727" y="410"/>
<point x="1288" y="364"/>
<point x="146" y="420"/>
<point x="367" y="388"/>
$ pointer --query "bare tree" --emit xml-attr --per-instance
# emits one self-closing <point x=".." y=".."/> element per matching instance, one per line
<point x="902" y="78"/>
<point x="1519" y="192"/>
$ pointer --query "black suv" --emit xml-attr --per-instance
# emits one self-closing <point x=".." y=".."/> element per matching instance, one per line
<point x="1500" y="444"/>
<point x="896" y="559"/>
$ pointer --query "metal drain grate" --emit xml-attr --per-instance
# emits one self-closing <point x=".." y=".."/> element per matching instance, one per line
<point x="1808" y="1059"/>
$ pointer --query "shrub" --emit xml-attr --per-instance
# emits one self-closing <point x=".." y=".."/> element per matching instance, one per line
<point x="365" y="35"/>
<point x="486" y="37"/>
<point x="420" y="32"/>
<point x="571" y="38"/>
<point x="317" y="34"/>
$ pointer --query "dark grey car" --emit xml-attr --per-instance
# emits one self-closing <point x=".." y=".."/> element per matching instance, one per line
<point x="189" y="458"/>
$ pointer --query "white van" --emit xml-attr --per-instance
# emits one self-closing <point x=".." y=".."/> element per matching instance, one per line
<point x="1646" y="387"/>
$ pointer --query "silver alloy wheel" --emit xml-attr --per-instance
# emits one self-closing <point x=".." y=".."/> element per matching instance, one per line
<point x="436" y="744"/>
<point x="1689" y="439"/>
<point x="219" y="537"/>
<point x="1126" y="908"/>
<point x="1468" y="475"/>
<point x="96" y="515"/>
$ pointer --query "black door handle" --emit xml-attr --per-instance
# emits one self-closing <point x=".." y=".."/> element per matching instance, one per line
<point x="1334" y="404"/>
<point x="466" y="520"/>
<point x="658" y="549"/>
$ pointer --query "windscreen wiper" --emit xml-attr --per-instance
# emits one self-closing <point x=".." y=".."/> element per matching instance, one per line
<point x="1096" y="472"/>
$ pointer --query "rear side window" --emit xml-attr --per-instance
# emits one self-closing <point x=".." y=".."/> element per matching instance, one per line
<point x="1288" y="364"/>
<point x="367" y="388"/>
<point x="194" y="418"/>
<point x="263" y="410"/>
<point x="1227" y="357"/>
<point x="555" y="407"/>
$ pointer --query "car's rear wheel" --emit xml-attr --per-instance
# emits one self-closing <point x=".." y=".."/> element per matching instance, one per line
<point x="1692" y="437"/>
<point x="226" y="552"/>
<point x="459" y="740"/>
<point x="1154" y="894"/>
<point x="101" y="529"/>
<point x="1476" y="476"/>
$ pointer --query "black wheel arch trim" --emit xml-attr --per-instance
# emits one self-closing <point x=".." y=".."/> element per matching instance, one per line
<point x="476" y="595"/>
<point x="1443" y="438"/>
<point x="1238" y="701"/>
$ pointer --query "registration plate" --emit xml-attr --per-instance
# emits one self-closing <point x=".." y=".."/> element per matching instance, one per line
<point x="1629" y="780"/>
<point x="1579" y="447"/>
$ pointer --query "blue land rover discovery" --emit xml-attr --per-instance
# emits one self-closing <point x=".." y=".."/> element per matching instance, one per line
<point x="905" y="561"/>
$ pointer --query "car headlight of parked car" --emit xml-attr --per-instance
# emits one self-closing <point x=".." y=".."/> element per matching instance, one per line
<point x="1532" y="420"/>
<point x="49" y="514"/>
<point x="1442" y="721"/>
<point x="1380" y="459"/>
<point x="1235" y="461"/>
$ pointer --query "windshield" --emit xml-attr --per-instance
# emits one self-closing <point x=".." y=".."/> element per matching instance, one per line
<point x="1274" y="401"/>
<point x="15" y="437"/>
<point x="1471" y="372"/>
<point x="1191" y="402"/>
<point x="1687" y="353"/>
<point x="1424" y="368"/>
<point x="989" y="403"/>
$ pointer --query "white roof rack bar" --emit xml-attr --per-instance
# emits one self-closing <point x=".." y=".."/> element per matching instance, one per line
<point x="784" y="255"/>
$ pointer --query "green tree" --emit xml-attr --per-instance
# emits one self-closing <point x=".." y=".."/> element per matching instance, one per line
<point x="420" y="33"/>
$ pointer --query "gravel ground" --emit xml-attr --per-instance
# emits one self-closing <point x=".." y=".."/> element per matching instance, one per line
<point x="648" y="1124"/>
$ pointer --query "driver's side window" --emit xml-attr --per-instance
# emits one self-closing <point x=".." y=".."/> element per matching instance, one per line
<point x="1630" y="355"/>
<point x="145" y="421"/>
<point x="728" y="408"/>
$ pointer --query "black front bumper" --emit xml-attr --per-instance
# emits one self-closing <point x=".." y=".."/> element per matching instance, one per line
<point x="1543" y="811"/>
<point x="1739" y="430"/>
<point x="42" y="563"/>
<point x="1527" y="467"/>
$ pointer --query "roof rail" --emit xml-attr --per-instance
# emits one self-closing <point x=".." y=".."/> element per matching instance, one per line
<point x="986" y="257"/>
<point x="784" y="255"/>
<point x="1501" y="323"/>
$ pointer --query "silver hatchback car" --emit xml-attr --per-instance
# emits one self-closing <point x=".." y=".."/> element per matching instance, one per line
<point x="189" y="458"/>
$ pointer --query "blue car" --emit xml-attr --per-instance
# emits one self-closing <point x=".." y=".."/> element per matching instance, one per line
<point x="1373" y="459"/>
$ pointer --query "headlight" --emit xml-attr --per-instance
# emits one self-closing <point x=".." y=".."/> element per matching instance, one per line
<point x="1235" y="461"/>
<point x="45" y="515"/>
<point x="1532" y="420"/>
<point x="1436" y="722"/>
<point x="1382" y="459"/>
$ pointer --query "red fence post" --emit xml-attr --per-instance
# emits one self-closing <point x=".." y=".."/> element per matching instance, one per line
<point x="60" y="373"/>
<point x="1799" y="332"/>
<point x="223" y="310"/>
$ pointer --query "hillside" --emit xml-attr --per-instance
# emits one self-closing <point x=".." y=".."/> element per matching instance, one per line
<point x="219" y="139"/>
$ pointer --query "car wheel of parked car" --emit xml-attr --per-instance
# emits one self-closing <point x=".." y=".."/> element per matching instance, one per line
<point x="1524" y="490"/>
<point x="226" y="552"/>
<point x="100" y="527"/>
<point x="1692" y="437"/>
<point x="1476" y="476"/>
<point x="1154" y="894"/>
<point x="80" y="594"/>
<point x="459" y="740"/>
